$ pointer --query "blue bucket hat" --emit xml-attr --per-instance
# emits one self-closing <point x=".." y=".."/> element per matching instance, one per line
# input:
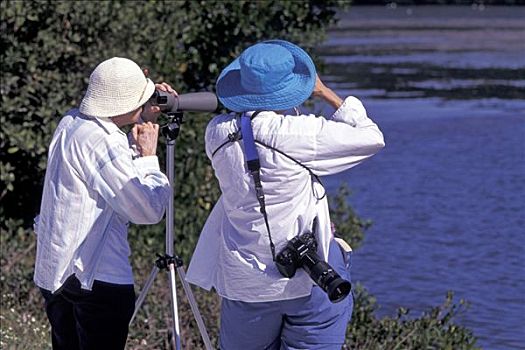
<point x="271" y="75"/>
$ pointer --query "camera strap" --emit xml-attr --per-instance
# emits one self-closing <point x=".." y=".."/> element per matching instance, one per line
<point x="236" y="136"/>
<point x="254" y="167"/>
<point x="245" y="133"/>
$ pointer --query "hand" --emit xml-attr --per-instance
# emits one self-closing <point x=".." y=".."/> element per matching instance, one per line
<point x="320" y="90"/>
<point x="151" y="113"/>
<point x="145" y="136"/>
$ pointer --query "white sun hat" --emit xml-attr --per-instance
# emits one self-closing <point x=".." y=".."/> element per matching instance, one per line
<point x="117" y="86"/>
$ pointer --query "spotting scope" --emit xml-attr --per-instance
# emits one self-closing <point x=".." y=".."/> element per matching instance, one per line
<point x="190" y="102"/>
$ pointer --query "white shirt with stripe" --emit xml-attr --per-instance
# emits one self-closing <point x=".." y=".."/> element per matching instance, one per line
<point x="92" y="189"/>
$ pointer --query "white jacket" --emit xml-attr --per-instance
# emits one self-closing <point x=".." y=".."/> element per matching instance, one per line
<point x="233" y="253"/>
<point x="92" y="189"/>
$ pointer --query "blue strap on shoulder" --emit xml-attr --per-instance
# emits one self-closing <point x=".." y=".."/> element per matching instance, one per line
<point x="252" y="157"/>
<point x="254" y="166"/>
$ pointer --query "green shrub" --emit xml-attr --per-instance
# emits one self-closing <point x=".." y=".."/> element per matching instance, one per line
<point x="347" y="224"/>
<point x="434" y="329"/>
<point x="50" y="48"/>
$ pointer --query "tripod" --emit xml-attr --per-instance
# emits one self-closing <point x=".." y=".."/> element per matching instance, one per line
<point x="170" y="262"/>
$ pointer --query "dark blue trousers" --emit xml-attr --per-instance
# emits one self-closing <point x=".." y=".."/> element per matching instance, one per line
<point x="96" y="319"/>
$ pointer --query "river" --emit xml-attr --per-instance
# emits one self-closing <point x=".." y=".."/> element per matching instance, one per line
<point x="447" y="195"/>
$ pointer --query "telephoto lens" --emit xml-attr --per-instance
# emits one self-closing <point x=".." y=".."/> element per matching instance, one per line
<point x="336" y="287"/>
<point x="301" y="252"/>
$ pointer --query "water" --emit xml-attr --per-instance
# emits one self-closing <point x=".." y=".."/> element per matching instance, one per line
<point x="447" y="194"/>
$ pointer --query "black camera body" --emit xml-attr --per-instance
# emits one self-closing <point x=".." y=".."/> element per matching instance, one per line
<point x="301" y="251"/>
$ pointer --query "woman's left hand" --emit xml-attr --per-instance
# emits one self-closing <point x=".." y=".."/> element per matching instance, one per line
<point x="150" y="113"/>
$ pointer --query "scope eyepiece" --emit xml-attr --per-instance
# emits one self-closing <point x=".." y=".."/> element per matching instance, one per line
<point x="158" y="99"/>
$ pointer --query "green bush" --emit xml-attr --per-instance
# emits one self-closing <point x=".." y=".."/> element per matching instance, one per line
<point x="49" y="50"/>
<point x="347" y="224"/>
<point x="434" y="329"/>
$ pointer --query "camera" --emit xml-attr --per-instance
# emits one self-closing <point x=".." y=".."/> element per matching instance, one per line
<point x="301" y="251"/>
<point x="192" y="102"/>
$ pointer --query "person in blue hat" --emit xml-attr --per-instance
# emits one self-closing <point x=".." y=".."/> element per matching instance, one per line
<point x="261" y="308"/>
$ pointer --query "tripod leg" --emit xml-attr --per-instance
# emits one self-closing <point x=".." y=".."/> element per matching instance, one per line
<point x="194" y="308"/>
<point x="144" y="291"/>
<point x="175" y="313"/>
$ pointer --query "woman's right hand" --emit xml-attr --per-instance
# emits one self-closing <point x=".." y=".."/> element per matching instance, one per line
<point x="145" y="136"/>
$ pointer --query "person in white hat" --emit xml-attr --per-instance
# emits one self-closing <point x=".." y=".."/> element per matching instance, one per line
<point x="95" y="185"/>
<point x="242" y="241"/>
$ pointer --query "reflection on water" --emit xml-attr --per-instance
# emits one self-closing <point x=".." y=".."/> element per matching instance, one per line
<point x="432" y="52"/>
<point x="447" y="194"/>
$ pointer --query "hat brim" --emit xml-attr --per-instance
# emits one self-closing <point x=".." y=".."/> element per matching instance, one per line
<point x="148" y="92"/>
<point x="299" y="88"/>
<point x="93" y="106"/>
